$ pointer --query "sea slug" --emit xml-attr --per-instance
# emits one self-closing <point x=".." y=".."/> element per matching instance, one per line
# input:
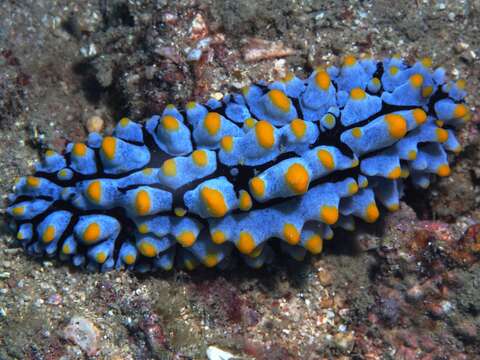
<point x="282" y="163"/>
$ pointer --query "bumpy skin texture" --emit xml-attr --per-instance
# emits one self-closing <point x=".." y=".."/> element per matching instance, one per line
<point x="290" y="160"/>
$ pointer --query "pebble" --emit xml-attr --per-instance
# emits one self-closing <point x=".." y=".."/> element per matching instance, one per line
<point x="461" y="47"/>
<point x="169" y="18"/>
<point x="95" y="124"/>
<point x="344" y="341"/>
<point x="217" y="96"/>
<point x="150" y="72"/>
<point x="6" y="264"/>
<point x="12" y="251"/>
<point x="447" y="306"/>
<point x="194" y="55"/>
<point x="415" y="293"/>
<point x="439" y="310"/>
<point x="325" y="277"/>
<point x="89" y="50"/>
<point x="198" y="29"/>
<point x="280" y="67"/>
<point x="214" y="353"/>
<point x="83" y="333"/>
<point x="169" y="53"/>
<point x="54" y="299"/>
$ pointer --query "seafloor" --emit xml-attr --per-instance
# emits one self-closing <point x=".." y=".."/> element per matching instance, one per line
<point x="407" y="288"/>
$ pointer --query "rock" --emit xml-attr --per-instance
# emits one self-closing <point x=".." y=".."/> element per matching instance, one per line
<point x="199" y="28"/>
<point x="169" y="52"/>
<point x="259" y="49"/>
<point x="440" y="310"/>
<point x="389" y="310"/>
<point x="95" y="124"/>
<point x="325" y="277"/>
<point x="103" y="69"/>
<point x="415" y="293"/>
<point x="83" y="333"/>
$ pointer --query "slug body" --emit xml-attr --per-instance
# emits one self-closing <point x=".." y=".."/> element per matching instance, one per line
<point x="290" y="160"/>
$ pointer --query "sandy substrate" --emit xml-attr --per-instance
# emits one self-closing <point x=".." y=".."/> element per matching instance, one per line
<point x="406" y="288"/>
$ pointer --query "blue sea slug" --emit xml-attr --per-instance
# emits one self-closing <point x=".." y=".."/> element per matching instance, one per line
<point x="287" y="162"/>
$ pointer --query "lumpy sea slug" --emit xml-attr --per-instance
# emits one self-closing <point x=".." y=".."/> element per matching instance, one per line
<point x="286" y="162"/>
